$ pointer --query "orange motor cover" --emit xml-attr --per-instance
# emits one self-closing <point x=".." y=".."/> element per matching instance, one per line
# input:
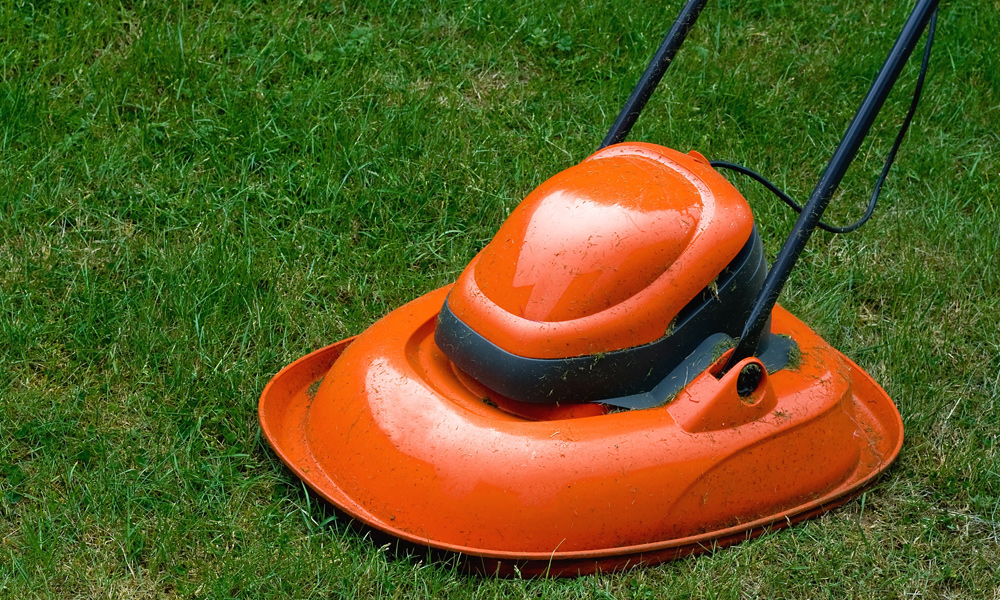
<point x="603" y="256"/>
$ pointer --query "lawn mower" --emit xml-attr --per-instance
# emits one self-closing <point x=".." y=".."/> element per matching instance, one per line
<point x="609" y="383"/>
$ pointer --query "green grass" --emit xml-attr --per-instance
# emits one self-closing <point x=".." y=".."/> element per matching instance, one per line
<point x="194" y="194"/>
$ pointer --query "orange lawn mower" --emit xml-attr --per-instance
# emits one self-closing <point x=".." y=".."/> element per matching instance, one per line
<point x="610" y="382"/>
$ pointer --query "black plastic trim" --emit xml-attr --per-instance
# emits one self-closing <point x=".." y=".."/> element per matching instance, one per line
<point x="611" y="376"/>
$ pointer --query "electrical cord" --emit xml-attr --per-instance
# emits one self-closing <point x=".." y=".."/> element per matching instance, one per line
<point x="721" y="164"/>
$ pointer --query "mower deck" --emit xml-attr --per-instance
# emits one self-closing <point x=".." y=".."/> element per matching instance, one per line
<point x="384" y="427"/>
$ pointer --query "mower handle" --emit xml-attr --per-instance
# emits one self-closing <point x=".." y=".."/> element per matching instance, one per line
<point x="842" y="158"/>
<point x="654" y="72"/>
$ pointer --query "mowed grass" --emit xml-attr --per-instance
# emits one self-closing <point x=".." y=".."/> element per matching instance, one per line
<point x="193" y="194"/>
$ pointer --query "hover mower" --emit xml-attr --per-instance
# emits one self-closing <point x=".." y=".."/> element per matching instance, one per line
<point x="610" y="381"/>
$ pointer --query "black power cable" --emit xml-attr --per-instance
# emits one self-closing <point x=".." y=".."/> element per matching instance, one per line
<point x="721" y="164"/>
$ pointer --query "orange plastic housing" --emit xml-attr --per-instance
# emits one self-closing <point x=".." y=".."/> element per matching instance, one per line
<point x="603" y="255"/>
<point x="384" y="428"/>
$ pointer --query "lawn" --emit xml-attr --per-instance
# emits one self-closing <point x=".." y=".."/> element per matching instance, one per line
<point x="196" y="193"/>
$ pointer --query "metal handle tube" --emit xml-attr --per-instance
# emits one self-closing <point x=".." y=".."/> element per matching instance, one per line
<point x="831" y="178"/>
<point x="654" y="72"/>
